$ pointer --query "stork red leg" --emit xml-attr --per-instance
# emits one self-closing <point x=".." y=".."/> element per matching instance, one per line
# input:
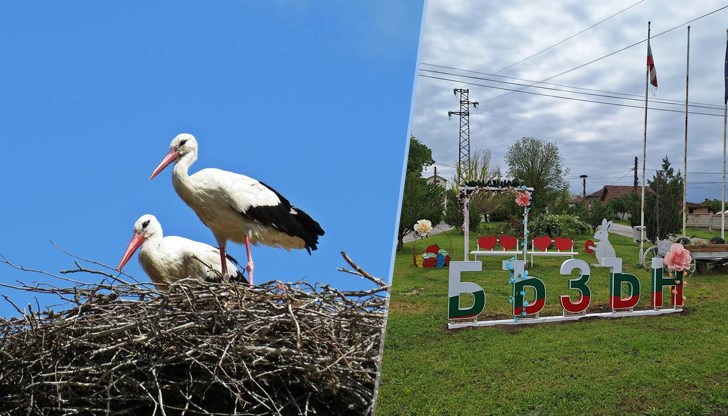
<point x="223" y="260"/>
<point x="249" y="267"/>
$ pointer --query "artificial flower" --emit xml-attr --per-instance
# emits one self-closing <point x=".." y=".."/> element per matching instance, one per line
<point x="423" y="227"/>
<point x="678" y="257"/>
<point x="523" y="198"/>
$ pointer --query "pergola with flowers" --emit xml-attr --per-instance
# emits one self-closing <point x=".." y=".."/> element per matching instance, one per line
<point x="523" y="199"/>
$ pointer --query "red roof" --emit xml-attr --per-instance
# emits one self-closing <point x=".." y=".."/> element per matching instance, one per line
<point x="613" y="191"/>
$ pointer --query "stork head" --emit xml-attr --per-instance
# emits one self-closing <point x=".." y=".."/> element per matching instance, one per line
<point x="146" y="227"/>
<point x="182" y="144"/>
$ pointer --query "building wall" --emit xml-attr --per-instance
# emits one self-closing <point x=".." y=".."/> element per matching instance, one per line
<point x="707" y="221"/>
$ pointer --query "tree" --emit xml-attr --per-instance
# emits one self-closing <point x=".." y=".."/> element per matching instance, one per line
<point x="619" y="206"/>
<point x="713" y="204"/>
<point x="561" y="203"/>
<point x="481" y="170"/>
<point x="663" y="208"/>
<point x="539" y="164"/>
<point x="420" y="200"/>
<point x="454" y="211"/>
<point x="596" y="213"/>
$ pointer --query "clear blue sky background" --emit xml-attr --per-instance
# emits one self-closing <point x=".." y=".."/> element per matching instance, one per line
<point x="311" y="97"/>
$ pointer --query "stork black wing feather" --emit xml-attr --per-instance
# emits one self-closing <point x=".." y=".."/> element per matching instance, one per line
<point x="287" y="219"/>
<point x="239" y="278"/>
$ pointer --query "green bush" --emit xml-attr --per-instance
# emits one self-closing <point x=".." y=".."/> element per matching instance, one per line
<point x="558" y="226"/>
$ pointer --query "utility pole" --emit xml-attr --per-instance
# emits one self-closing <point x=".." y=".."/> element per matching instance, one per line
<point x="464" y="113"/>
<point x="635" y="172"/>
<point x="583" y="186"/>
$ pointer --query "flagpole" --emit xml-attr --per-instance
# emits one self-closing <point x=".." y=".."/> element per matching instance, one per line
<point x="685" y="176"/>
<point x="725" y="115"/>
<point x="644" y="150"/>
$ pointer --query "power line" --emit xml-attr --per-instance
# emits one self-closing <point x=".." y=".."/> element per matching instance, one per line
<point x="608" y="55"/>
<point x="604" y="94"/>
<point x="568" y="38"/>
<point x="521" y="90"/>
<point x="594" y="90"/>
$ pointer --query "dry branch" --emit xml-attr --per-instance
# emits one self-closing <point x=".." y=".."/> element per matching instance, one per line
<point x="205" y="349"/>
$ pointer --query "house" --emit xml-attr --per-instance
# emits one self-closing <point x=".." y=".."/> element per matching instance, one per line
<point x="699" y="209"/>
<point x="609" y="192"/>
<point x="702" y="216"/>
<point x="437" y="179"/>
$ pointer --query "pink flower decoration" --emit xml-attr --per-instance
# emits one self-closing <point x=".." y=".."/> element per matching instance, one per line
<point x="523" y="198"/>
<point x="678" y="257"/>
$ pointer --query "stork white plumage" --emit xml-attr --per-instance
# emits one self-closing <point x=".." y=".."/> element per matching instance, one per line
<point x="236" y="207"/>
<point x="168" y="259"/>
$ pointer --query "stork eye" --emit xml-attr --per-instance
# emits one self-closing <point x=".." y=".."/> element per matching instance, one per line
<point x="182" y="142"/>
<point x="145" y="223"/>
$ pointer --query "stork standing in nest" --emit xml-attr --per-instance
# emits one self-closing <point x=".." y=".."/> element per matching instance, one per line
<point x="168" y="259"/>
<point x="236" y="207"/>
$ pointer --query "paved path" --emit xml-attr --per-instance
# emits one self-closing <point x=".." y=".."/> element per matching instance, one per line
<point x="622" y="229"/>
<point x="435" y="230"/>
<point x="627" y="231"/>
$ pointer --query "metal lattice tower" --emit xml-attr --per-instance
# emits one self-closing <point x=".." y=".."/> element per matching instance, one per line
<point x="464" y="113"/>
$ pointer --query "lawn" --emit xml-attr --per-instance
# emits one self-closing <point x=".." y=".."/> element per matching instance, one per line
<point x="675" y="364"/>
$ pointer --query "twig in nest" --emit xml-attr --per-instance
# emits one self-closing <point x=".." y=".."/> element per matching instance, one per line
<point x="359" y="271"/>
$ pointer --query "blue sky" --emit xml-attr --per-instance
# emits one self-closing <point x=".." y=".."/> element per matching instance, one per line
<point x="312" y="98"/>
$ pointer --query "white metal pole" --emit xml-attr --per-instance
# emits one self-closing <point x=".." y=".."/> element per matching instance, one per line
<point x="685" y="172"/>
<point x="466" y="225"/>
<point x="644" y="151"/>
<point x="725" y="115"/>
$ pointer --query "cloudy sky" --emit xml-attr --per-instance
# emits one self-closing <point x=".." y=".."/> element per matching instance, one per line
<point x="591" y="103"/>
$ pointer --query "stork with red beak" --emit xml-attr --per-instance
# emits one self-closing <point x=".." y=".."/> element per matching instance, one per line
<point x="236" y="207"/>
<point x="168" y="259"/>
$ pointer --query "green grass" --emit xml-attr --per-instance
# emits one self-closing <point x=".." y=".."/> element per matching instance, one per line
<point x="706" y="234"/>
<point x="667" y="365"/>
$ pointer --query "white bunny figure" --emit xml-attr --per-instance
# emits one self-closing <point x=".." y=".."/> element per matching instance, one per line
<point x="604" y="248"/>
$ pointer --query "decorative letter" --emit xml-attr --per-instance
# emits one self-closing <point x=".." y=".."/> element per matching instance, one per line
<point x="615" y="285"/>
<point x="456" y="288"/>
<point x="578" y="284"/>
<point x="658" y="282"/>
<point x="519" y="289"/>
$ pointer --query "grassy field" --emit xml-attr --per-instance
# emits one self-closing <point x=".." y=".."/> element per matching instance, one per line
<point x="668" y="365"/>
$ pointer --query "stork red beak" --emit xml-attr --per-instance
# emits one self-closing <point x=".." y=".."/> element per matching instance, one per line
<point x="170" y="157"/>
<point x="136" y="241"/>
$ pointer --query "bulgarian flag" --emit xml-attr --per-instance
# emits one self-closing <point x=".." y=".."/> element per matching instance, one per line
<point x="651" y="66"/>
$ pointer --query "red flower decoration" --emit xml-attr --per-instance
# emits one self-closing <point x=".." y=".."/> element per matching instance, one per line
<point x="523" y="198"/>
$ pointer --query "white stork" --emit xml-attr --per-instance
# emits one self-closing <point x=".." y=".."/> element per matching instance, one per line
<point x="236" y="207"/>
<point x="168" y="259"/>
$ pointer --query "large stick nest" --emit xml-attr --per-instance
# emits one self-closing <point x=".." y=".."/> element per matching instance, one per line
<point x="208" y="348"/>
